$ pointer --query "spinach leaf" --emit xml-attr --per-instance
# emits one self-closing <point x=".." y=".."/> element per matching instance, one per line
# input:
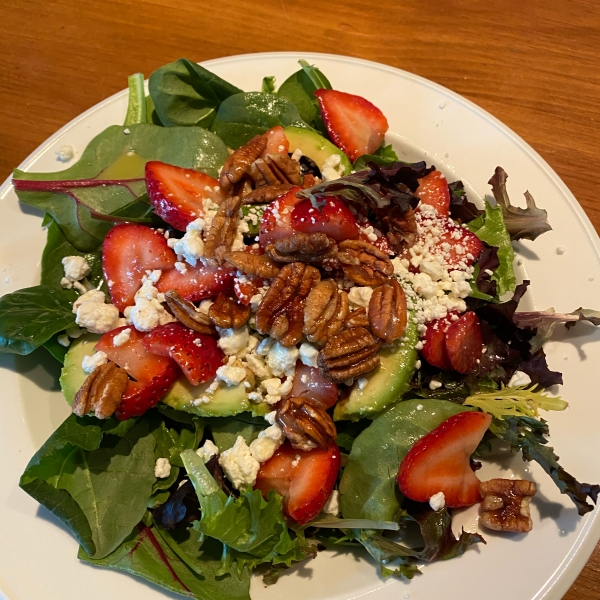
<point x="57" y="351"/>
<point x="136" y="108"/>
<point x="245" y="115"/>
<point x="384" y="156"/>
<point x="185" y="93"/>
<point x="31" y="316"/>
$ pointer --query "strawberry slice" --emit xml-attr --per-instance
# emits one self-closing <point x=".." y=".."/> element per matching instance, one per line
<point x="309" y="383"/>
<point x="154" y="375"/>
<point x="304" y="479"/>
<point x="197" y="283"/>
<point x="197" y="354"/>
<point x="277" y="142"/>
<point x="464" y="246"/>
<point x="330" y="216"/>
<point x="276" y="221"/>
<point x="354" y="124"/>
<point x="463" y="342"/>
<point x="246" y="286"/>
<point x="176" y="194"/>
<point x="434" y="345"/>
<point x="128" y="251"/>
<point x="440" y="461"/>
<point x="433" y="190"/>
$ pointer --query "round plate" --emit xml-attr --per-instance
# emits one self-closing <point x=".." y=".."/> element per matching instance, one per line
<point x="38" y="555"/>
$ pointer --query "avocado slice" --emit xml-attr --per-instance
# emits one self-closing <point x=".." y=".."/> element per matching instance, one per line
<point x="72" y="375"/>
<point x="387" y="383"/>
<point x="315" y="146"/>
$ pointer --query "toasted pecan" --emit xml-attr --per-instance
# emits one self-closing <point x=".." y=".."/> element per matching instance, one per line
<point x="253" y="264"/>
<point x="363" y="263"/>
<point x="325" y="311"/>
<point x="222" y="230"/>
<point x="227" y="313"/>
<point x="238" y="163"/>
<point x="388" y="315"/>
<point x="302" y="247"/>
<point x="505" y="505"/>
<point x="357" y="318"/>
<point x="185" y="312"/>
<point x="101" y="392"/>
<point x="266" y="193"/>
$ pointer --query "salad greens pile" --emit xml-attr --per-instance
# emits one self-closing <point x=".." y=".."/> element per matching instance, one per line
<point x="189" y="532"/>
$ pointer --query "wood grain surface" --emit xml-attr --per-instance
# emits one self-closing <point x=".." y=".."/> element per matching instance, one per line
<point x="533" y="64"/>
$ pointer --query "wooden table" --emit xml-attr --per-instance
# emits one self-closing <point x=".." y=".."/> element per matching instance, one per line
<point x="533" y="64"/>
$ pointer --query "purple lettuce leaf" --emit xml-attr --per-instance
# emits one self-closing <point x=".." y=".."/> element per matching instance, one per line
<point x="461" y="209"/>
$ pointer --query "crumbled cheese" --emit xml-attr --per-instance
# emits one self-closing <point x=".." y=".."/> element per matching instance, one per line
<point x="207" y="451"/>
<point x="419" y="407"/>
<point x="65" y="153"/>
<point x="282" y="360"/>
<point x="362" y="383"/>
<point x="231" y="375"/>
<point x="272" y="388"/>
<point x="263" y="447"/>
<point x="518" y="379"/>
<point x="181" y="267"/>
<point x="238" y="464"/>
<point x="332" y="506"/>
<point x="232" y="341"/>
<point x="64" y="340"/>
<point x="360" y="296"/>
<point x="270" y="417"/>
<point x="148" y="311"/>
<point x="65" y="283"/>
<point x="74" y="332"/>
<point x="201" y="400"/>
<point x="437" y="501"/>
<point x="435" y="385"/>
<point x="258" y="366"/>
<point x="560" y="250"/>
<point x="308" y="354"/>
<point x="91" y="296"/>
<point x="97" y="317"/>
<point x="204" y="307"/>
<point x="297" y="154"/>
<point x="76" y="267"/>
<point x="191" y="246"/>
<point x="265" y="346"/>
<point x="296" y="461"/>
<point x="370" y="233"/>
<point x="162" y="469"/>
<point x="400" y="266"/>
<point x="332" y="168"/>
<point x="122" y="337"/>
<point x="91" y="362"/>
<point x="255" y="397"/>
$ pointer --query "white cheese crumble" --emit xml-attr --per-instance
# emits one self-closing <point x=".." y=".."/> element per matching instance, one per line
<point x="518" y="379"/>
<point x="282" y="360"/>
<point x="64" y="340"/>
<point x="239" y="465"/>
<point x="266" y="444"/>
<point x="91" y="362"/>
<point x="65" y="153"/>
<point x="332" y="506"/>
<point x="231" y="375"/>
<point x="275" y="389"/>
<point x="207" y="451"/>
<point x="309" y="354"/>
<point x="270" y="417"/>
<point x="76" y="268"/>
<point x="232" y="341"/>
<point x="97" y="317"/>
<point x="437" y="501"/>
<point x="435" y="385"/>
<point x="332" y="168"/>
<point x="122" y="337"/>
<point x="362" y="383"/>
<point x="360" y="296"/>
<point x="162" y="469"/>
<point x="74" y="332"/>
<point x="148" y="312"/>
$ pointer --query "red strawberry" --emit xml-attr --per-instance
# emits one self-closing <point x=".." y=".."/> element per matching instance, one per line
<point x="465" y="246"/>
<point x="440" y="461"/>
<point x="304" y="479"/>
<point x="309" y="383"/>
<point x="197" y="354"/>
<point x="433" y="190"/>
<point x="276" y="221"/>
<point x="198" y="282"/>
<point x="330" y="216"/>
<point x="434" y="346"/>
<point x="463" y="343"/>
<point x="277" y="143"/>
<point x="154" y="375"/>
<point x="381" y="242"/>
<point x="246" y="286"/>
<point x="176" y="194"/>
<point x="353" y="123"/>
<point x="128" y="251"/>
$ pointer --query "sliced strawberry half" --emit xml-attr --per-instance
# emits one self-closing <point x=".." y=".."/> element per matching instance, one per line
<point x="354" y="124"/>
<point x="440" y="461"/>
<point x="434" y="345"/>
<point x="197" y="354"/>
<point x="276" y="221"/>
<point x="330" y="216"/>
<point x="310" y="383"/>
<point x="277" y="142"/>
<point x="197" y="283"/>
<point x="304" y="479"/>
<point x="464" y="346"/>
<point x="246" y="286"/>
<point x="154" y="374"/>
<point x="433" y="190"/>
<point x="465" y="246"/>
<point x="128" y="251"/>
<point x="176" y="194"/>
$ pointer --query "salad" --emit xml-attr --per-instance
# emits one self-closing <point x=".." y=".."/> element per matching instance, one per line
<point x="276" y="338"/>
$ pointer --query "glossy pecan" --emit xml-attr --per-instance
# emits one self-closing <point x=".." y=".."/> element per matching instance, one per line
<point x="238" y="163"/>
<point x="387" y="311"/>
<point x="101" y="392"/>
<point x="363" y="263"/>
<point x="280" y="313"/>
<point x="275" y="169"/>
<point x="349" y="354"/>
<point x="185" y="312"/>
<point x="266" y="193"/>
<point x="227" y="313"/>
<point x="302" y="247"/>
<point x="222" y="230"/>
<point x="305" y="424"/>
<point x="325" y="311"/>
<point x="357" y="318"/>
<point x="505" y="505"/>
<point x="253" y="264"/>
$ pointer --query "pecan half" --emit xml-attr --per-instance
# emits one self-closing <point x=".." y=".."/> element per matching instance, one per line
<point x="286" y="169"/>
<point x="222" y="230"/>
<point x="387" y="311"/>
<point x="280" y="313"/>
<point x="237" y="164"/>
<point x="363" y="263"/>
<point x="325" y="311"/>
<point x="305" y="424"/>
<point x="348" y="354"/>
<point x="266" y="193"/>
<point x="185" y="312"/>
<point x="505" y="505"/>
<point x="302" y="247"/>
<point x="227" y="313"/>
<point x="357" y="318"/>
<point x="252" y="264"/>
<point x="101" y="392"/>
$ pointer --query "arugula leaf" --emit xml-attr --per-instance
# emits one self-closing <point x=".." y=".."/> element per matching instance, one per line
<point x="384" y="156"/>
<point x="185" y="93"/>
<point x="136" y="108"/>
<point x="268" y="84"/>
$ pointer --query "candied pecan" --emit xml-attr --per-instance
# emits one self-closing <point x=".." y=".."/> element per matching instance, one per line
<point x="222" y="230"/>
<point x="402" y="228"/>
<point x="266" y="193"/>
<point x="357" y="318"/>
<point x="387" y="311"/>
<point x="237" y="164"/>
<point x="280" y="313"/>
<point x="227" y="313"/>
<point x="505" y="505"/>
<point x="363" y="263"/>
<point x="101" y="392"/>
<point x="302" y="247"/>
<point x="285" y="169"/>
<point x="253" y="264"/>
<point x="325" y="311"/>
<point x="305" y="424"/>
<point x="185" y="312"/>
<point x="348" y="354"/>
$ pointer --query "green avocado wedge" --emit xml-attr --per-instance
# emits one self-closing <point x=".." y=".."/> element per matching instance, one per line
<point x="387" y="383"/>
<point x="315" y="147"/>
<point x="72" y="375"/>
<point x="368" y="488"/>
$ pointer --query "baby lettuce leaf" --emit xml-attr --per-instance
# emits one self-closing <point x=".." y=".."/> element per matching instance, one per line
<point x="268" y="84"/>
<point x="172" y="440"/>
<point x="384" y="156"/>
<point x="368" y="487"/>
<point x="461" y="208"/>
<point x="245" y="115"/>
<point x="136" y="108"/>
<point x="186" y="94"/>
<point x="225" y="430"/>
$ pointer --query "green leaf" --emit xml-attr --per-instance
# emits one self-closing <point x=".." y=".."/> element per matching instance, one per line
<point x="185" y="94"/>
<point x="136" y="108"/>
<point x="56" y="350"/>
<point x="225" y="430"/>
<point x="384" y="155"/>
<point x="245" y="115"/>
<point x="315" y="76"/>
<point x="268" y="85"/>
<point x="30" y="317"/>
<point x="171" y="441"/>
<point x="325" y="521"/>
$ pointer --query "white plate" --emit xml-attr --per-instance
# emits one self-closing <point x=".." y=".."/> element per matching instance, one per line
<point x="38" y="556"/>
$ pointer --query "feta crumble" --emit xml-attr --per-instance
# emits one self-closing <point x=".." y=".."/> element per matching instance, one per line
<point x="162" y="469"/>
<point x="91" y="362"/>
<point x="65" y="153"/>
<point x="437" y="501"/>
<point x="518" y="379"/>
<point x="122" y="337"/>
<point x="332" y="506"/>
<point x="282" y="360"/>
<point x="76" y="268"/>
<point x="360" y="296"/>
<point x="308" y="354"/>
<point x="238" y="464"/>
<point x="266" y="444"/>
<point x="232" y="341"/>
<point x="207" y="451"/>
